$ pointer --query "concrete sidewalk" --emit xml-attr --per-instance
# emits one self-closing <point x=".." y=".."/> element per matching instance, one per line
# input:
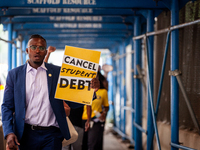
<point x="114" y="142"/>
<point x="111" y="142"/>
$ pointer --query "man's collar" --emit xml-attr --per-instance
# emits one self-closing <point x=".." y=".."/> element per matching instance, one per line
<point x="43" y="66"/>
<point x="29" y="68"/>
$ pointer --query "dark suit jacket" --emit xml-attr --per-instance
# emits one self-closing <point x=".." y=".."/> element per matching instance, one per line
<point x="14" y="102"/>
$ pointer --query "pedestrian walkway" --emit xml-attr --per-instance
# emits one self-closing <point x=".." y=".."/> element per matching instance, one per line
<point x="113" y="142"/>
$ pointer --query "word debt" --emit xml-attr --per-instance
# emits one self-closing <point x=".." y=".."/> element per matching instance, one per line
<point x="80" y="63"/>
<point x="74" y="84"/>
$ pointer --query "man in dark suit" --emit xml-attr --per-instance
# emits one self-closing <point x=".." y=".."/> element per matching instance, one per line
<point x="32" y="118"/>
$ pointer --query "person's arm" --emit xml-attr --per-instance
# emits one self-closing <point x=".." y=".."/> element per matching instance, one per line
<point x="67" y="109"/>
<point x="49" y="51"/>
<point x="8" y="108"/>
<point x="95" y="84"/>
<point x="104" y="114"/>
<point x="105" y="104"/>
<point x="87" y="124"/>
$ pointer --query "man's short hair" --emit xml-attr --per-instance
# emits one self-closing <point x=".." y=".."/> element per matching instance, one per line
<point x="37" y="36"/>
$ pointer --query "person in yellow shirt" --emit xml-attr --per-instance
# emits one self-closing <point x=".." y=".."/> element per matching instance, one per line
<point x="75" y="115"/>
<point x="99" y="109"/>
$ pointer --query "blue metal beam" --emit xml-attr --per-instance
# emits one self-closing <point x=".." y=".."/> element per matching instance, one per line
<point x="82" y="3"/>
<point x="77" y="35"/>
<point x="174" y="65"/>
<point x="69" y="19"/>
<point x="95" y="44"/>
<point x="117" y="39"/>
<point x="114" y="85"/>
<point x="81" y="45"/>
<point x="121" y="93"/>
<point x="84" y="46"/>
<point x="82" y="41"/>
<point x="70" y="26"/>
<point x="181" y="147"/>
<point x="162" y="73"/>
<point x="72" y="31"/>
<point x="66" y="37"/>
<point x="90" y="42"/>
<point x="151" y="102"/>
<point x="118" y="69"/>
<point x="89" y="46"/>
<point x="14" y="50"/>
<point x="168" y="3"/>
<point x="2" y="19"/>
<point x="65" y="12"/>
<point x="150" y="129"/>
<point x="10" y="31"/>
<point x="133" y="87"/>
<point x="124" y="86"/>
<point x="137" y="86"/>
<point x="24" y="42"/>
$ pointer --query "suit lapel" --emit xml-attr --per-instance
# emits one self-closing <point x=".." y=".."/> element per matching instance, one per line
<point x="22" y="77"/>
<point x="49" y="77"/>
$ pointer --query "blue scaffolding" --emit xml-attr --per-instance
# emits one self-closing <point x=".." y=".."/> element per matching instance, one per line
<point x="107" y="24"/>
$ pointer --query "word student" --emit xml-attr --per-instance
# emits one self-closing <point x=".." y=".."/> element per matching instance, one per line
<point x="77" y="72"/>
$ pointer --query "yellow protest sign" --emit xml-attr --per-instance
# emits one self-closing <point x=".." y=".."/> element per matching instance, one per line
<point x="79" y="66"/>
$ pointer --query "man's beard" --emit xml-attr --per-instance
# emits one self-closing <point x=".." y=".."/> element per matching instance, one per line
<point x="38" y="63"/>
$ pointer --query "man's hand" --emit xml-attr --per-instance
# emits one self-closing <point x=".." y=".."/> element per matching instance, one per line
<point x="95" y="84"/>
<point x="51" y="49"/>
<point x="11" y="142"/>
<point x="102" y="117"/>
<point x="87" y="125"/>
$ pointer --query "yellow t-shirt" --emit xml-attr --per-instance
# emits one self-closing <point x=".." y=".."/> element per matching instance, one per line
<point x="102" y="100"/>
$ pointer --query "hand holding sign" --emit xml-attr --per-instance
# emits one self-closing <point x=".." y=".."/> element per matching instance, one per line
<point x="95" y="84"/>
<point x="77" y="81"/>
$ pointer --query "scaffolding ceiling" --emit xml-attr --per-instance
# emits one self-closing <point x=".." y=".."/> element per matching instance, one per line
<point x="83" y="23"/>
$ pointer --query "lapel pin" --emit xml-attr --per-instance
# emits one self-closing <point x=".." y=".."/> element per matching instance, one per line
<point x="50" y="75"/>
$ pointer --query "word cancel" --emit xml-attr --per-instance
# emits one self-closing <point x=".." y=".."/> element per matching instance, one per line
<point x="80" y="63"/>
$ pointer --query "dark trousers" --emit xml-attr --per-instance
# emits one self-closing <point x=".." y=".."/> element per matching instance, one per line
<point x="95" y="136"/>
<point x="50" y="139"/>
<point x="85" y="137"/>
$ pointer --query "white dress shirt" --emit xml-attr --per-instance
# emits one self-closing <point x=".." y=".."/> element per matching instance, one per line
<point x="38" y="107"/>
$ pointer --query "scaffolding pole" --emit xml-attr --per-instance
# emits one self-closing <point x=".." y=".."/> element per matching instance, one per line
<point x="137" y="86"/>
<point x="167" y="29"/>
